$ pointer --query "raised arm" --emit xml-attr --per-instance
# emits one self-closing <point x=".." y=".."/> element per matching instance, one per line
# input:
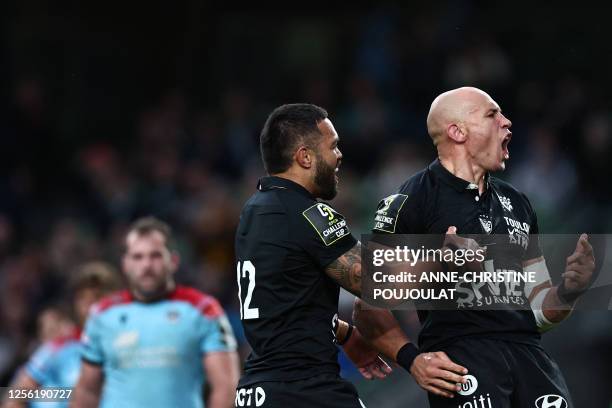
<point x="552" y="304"/>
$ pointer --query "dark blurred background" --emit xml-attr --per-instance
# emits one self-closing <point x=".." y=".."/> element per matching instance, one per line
<point x="113" y="111"/>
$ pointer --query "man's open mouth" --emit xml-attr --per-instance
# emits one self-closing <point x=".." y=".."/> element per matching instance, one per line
<point x="505" y="143"/>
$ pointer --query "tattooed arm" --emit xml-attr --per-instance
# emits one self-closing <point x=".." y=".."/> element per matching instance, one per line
<point x="382" y="333"/>
<point x="346" y="270"/>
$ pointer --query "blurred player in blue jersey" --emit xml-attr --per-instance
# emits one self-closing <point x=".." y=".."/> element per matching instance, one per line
<point x="57" y="362"/>
<point x="154" y="344"/>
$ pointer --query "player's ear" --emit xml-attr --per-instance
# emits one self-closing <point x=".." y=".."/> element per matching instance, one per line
<point x="304" y="157"/>
<point x="457" y="132"/>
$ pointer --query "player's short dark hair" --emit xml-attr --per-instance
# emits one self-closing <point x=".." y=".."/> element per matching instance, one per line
<point x="286" y="127"/>
<point x="147" y="225"/>
<point x="95" y="275"/>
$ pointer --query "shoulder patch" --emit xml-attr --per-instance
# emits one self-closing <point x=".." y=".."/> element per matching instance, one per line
<point x="114" y="299"/>
<point x="206" y="304"/>
<point x="329" y="224"/>
<point x="388" y="211"/>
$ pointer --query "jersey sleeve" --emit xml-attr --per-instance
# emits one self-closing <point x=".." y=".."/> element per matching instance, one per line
<point x="40" y="365"/>
<point x="324" y="234"/>
<point x="91" y="338"/>
<point x="398" y="214"/>
<point x="534" y="250"/>
<point x="215" y="330"/>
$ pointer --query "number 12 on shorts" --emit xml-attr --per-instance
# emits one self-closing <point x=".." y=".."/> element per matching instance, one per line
<point x="244" y="270"/>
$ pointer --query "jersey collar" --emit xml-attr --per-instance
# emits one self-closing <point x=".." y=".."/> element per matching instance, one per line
<point x="272" y="182"/>
<point x="457" y="183"/>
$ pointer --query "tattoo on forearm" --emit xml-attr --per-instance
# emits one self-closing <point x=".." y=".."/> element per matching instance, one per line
<point x="346" y="270"/>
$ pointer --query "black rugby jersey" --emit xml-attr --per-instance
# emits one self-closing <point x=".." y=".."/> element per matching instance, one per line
<point x="434" y="199"/>
<point x="284" y="242"/>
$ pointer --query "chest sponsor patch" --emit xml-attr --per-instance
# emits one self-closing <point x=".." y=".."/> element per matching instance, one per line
<point x="388" y="212"/>
<point x="329" y="224"/>
<point x="126" y="339"/>
<point x="518" y="232"/>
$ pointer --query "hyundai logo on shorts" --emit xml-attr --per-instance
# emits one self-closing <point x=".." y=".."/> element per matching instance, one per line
<point x="551" y="401"/>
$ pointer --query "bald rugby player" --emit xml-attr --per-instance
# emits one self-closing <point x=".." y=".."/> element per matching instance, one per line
<point x="456" y="194"/>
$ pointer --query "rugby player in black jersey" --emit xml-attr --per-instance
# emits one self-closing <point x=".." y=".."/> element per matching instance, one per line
<point x="293" y="253"/>
<point x="457" y="195"/>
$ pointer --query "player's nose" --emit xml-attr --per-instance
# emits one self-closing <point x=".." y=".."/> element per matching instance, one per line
<point x="505" y="122"/>
<point x="146" y="264"/>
